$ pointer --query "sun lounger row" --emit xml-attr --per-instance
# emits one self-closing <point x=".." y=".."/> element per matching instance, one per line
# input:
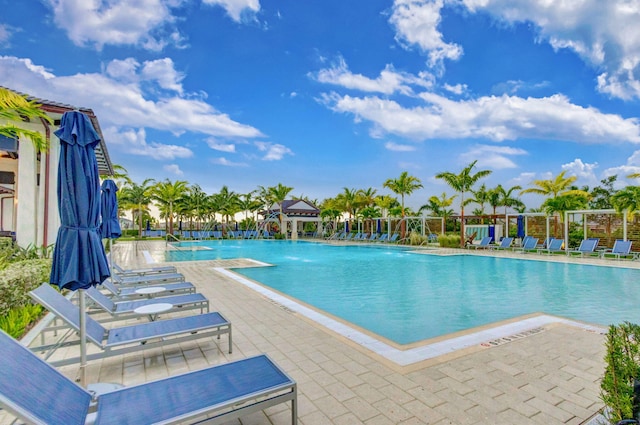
<point x="364" y="237"/>
<point x="34" y="391"/>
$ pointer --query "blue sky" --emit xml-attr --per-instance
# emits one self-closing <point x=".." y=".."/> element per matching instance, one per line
<point x="325" y="94"/>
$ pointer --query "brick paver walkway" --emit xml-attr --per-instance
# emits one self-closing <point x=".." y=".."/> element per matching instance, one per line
<point x="548" y="377"/>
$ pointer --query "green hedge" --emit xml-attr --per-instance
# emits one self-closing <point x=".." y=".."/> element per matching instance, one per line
<point x="18" y="278"/>
<point x="449" y="241"/>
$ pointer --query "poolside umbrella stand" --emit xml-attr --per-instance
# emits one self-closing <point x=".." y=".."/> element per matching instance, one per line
<point x="79" y="259"/>
<point x="110" y="225"/>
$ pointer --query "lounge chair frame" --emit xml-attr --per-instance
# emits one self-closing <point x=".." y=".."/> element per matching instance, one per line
<point x="126" y="339"/>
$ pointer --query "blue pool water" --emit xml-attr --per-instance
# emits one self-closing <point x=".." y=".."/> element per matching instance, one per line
<point x="408" y="297"/>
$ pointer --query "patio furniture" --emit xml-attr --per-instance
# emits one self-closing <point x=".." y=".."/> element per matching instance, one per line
<point x="620" y="249"/>
<point x="505" y="243"/>
<point x="555" y="245"/>
<point x="129" y="292"/>
<point x="529" y="244"/>
<point x="126" y="339"/>
<point x="147" y="279"/>
<point x="142" y="271"/>
<point x="587" y="247"/>
<point x="484" y="243"/>
<point x="34" y="391"/>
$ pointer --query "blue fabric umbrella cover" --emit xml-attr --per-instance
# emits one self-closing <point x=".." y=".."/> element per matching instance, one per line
<point x="492" y="232"/>
<point x="520" y="233"/>
<point x="79" y="259"/>
<point x="110" y="226"/>
<point x="378" y="226"/>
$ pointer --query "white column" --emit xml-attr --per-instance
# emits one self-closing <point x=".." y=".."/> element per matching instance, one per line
<point x="294" y="229"/>
<point x="27" y="207"/>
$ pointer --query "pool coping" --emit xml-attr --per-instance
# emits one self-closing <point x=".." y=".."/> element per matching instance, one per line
<point x="414" y="355"/>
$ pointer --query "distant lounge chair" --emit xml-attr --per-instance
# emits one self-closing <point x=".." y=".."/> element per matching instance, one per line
<point x="35" y="392"/>
<point x="484" y="243"/>
<point x="528" y="245"/>
<point x="587" y="247"/>
<point x="472" y="237"/>
<point x="131" y="292"/>
<point x="544" y="244"/>
<point x="373" y="237"/>
<point x="127" y="339"/>
<point x="505" y="243"/>
<point x="393" y="238"/>
<point x="384" y="237"/>
<point x="620" y="249"/>
<point x="555" y="245"/>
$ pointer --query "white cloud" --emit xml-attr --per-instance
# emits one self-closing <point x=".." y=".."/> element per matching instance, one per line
<point x="605" y="34"/>
<point x="227" y="163"/>
<point x="163" y="72"/>
<point x="416" y="23"/>
<point x="5" y="35"/>
<point x="134" y="142"/>
<point x="124" y="70"/>
<point x="143" y="23"/>
<point x="495" y="118"/>
<point x="222" y="147"/>
<point x="584" y="171"/>
<point x="173" y="169"/>
<point x="396" y="147"/>
<point x="388" y="82"/>
<point x="274" y="151"/>
<point x="622" y="171"/>
<point x="496" y="157"/>
<point x="456" y="89"/>
<point x="237" y="8"/>
<point x="119" y="103"/>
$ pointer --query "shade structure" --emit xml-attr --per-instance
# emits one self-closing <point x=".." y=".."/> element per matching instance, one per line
<point x="110" y="225"/>
<point x="520" y="232"/>
<point x="79" y="259"/>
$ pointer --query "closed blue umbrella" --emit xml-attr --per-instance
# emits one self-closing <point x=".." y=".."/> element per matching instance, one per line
<point x="520" y="233"/>
<point x="492" y="232"/>
<point x="110" y="226"/>
<point x="379" y="226"/>
<point x="346" y="226"/>
<point x="79" y="259"/>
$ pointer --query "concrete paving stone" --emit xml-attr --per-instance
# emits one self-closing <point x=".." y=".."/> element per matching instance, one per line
<point x="574" y="409"/>
<point x="330" y="406"/>
<point x="349" y="379"/>
<point x="500" y="365"/>
<point x="510" y="417"/>
<point x="425" y="381"/>
<point x="401" y="381"/>
<point x="537" y="390"/>
<point x="579" y="373"/>
<point x="305" y="406"/>
<point x="454" y="414"/>
<point x="423" y="412"/>
<point x="456" y="386"/>
<point x="309" y="366"/>
<point x="323" y="378"/>
<point x="340" y="391"/>
<point x="396" y="394"/>
<point x="380" y="420"/>
<point x="573" y="397"/>
<point x="395" y="412"/>
<point x="518" y="403"/>
<point x="368" y="393"/>
<point x="331" y="366"/>
<point x="314" y="391"/>
<point x="430" y="398"/>
<point x="347" y="419"/>
<point x="373" y="379"/>
<point x="491" y="404"/>
<point x="461" y="376"/>
<point x="453" y="398"/>
<point x="361" y="408"/>
<point x="315" y="418"/>
<point x="413" y="421"/>
<point x="550" y="409"/>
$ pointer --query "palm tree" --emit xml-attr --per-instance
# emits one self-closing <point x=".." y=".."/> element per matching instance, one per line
<point x="167" y="193"/>
<point x="507" y="199"/>
<point x="277" y="195"/>
<point x="403" y="185"/>
<point x="347" y="201"/>
<point x="439" y="206"/>
<point x="627" y="199"/>
<point x="552" y="188"/>
<point x="17" y="108"/>
<point x="463" y="182"/>
<point x="384" y="202"/>
<point x="226" y="203"/>
<point x="136" y="197"/>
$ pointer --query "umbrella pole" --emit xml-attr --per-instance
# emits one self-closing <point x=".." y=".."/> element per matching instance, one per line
<point x="83" y="343"/>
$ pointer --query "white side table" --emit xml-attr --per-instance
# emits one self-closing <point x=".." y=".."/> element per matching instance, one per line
<point x="153" y="309"/>
<point x="150" y="291"/>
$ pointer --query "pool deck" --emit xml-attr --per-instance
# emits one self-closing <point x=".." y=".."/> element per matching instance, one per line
<point x="543" y="372"/>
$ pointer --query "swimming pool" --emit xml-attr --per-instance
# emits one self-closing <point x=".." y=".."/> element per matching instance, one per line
<point x="407" y="297"/>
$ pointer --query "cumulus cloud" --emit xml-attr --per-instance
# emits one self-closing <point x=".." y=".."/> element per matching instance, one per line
<point x="496" y="118"/>
<point x="397" y="147"/>
<point x="273" y="151"/>
<point x="222" y="147"/>
<point x="388" y="82"/>
<point x="604" y="34"/>
<point x="632" y="166"/>
<point x="496" y="157"/>
<point x="237" y="9"/>
<point x="456" y="89"/>
<point x="227" y="163"/>
<point x="144" y="23"/>
<point x="416" y="23"/>
<point x="135" y="142"/>
<point x="5" y="34"/>
<point x="584" y="171"/>
<point x="173" y="169"/>
<point x="125" y="103"/>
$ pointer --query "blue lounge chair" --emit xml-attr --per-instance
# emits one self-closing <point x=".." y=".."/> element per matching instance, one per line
<point x="545" y="244"/>
<point x="155" y="279"/>
<point x="35" y="392"/>
<point x="124" y="309"/>
<point x="130" y="292"/>
<point x="587" y="247"/>
<point x="555" y="245"/>
<point x="484" y="243"/>
<point x="505" y="243"/>
<point x="393" y="238"/>
<point x="373" y="237"/>
<point x="529" y="244"/>
<point x="126" y="339"/>
<point x="145" y="271"/>
<point x="620" y="249"/>
<point x="383" y="238"/>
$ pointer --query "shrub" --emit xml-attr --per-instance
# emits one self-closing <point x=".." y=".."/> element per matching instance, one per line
<point x="622" y="371"/>
<point x="18" y="278"/>
<point x="19" y="319"/>
<point x="417" y="239"/>
<point x="449" y="241"/>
